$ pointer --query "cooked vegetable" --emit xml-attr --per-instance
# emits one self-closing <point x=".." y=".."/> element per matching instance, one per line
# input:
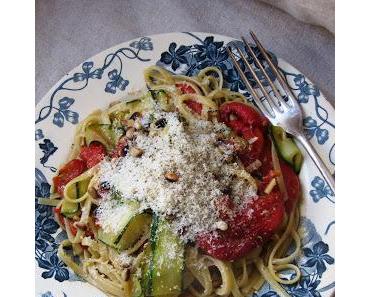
<point x="287" y="148"/>
<point x="163" y="262"/>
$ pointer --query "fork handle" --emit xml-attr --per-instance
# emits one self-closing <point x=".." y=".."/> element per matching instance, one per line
<point x="317" y="160"/>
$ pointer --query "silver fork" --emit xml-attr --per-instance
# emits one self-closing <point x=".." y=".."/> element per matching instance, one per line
<point x="287" y="116"/>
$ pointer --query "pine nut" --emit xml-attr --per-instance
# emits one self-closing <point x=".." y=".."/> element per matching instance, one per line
<point x="130" y="133"/>
<point x="171" y="176"/>
<point x="136" y="152"/>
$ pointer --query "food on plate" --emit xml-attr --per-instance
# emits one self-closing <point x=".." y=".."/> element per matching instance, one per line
<point x="184" y="189"/>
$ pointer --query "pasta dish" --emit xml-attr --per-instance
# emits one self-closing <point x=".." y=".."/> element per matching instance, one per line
<point x="181" y="189"/>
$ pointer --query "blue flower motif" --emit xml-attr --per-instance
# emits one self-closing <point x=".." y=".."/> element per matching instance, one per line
<point x="211" y="53"/>
<point x="71" y="116"/>
<point x="87" y="73"/>
<point x="312" y="129"/>
<point x="175" y="57"/>
<point x="44" y="228"/>
<point x="310" y="126"/>
<point x="65" y="113"/>
<point x="317" y="256"/>
<point x="65" y="103"/>
<point x="54" y="267"/>
<point x="305" y="89"/>
<point x="208" y="48"/>
<point x="47" y="294"/>
<point x="41" y="244"/>
<point x="48" y="148"/>
<point x="321" y="190"/>
<point x="42" y="190"/>
<point x="38" y="134"/>
<point x="322" y="135"/>
<point x="116" y="82"/>
<point x="144" y="44"/>
<point x="305" y="288"/>
<point x="58" y="119"/>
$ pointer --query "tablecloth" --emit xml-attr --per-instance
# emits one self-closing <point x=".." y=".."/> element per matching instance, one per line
<point x="68" y="32"/>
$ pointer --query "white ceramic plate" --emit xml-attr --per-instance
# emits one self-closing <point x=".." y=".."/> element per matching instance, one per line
<point x="109" y="76"/>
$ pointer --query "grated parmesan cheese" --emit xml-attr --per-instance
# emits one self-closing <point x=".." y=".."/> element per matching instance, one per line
<point x="191" y="152"/>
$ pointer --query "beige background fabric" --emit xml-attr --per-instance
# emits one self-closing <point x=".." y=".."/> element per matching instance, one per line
<point x="70" y="31"/>
<point x="317" y="12"/>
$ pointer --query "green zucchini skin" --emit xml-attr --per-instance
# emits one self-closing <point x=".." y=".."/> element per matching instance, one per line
<point x="69" y="209"/>
<point x="162" y="274"/>
<point x="133" y="231"/>
<point x="287" y="148"/>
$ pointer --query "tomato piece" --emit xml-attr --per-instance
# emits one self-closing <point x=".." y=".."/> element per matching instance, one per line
<point x="247" y="229"/>
<point x="72" y="228"/>
<point x="237" y="126"/>
<point x="185" y="88"/>
<point x="256" y="147"/>
<point x="93" y="153"/>
<point x="225" y="207"/>
<point x="194" y="106"/>
<point x="248" y="123"/>
<point x="243" y="113"/>
<point x="292" y="184"/>
<point x="69" y="171"/>
<point x="266" y="159"/>
<point x="256" y="139"/>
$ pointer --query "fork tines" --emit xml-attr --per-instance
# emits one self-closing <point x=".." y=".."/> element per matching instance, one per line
<point x="277" y="104"/>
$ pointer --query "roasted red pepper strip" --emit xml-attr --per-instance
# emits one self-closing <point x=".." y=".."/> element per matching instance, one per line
<point x="72" y="228"/>
<point x="194" y="106"/>
<point x="93" y="153"/>
<point x="292" y="184"/>
<point x="188" y="89"/>
<point x="185" y="88"/>
<point x="243" y="113"/>
<point x="69" y="171"/>
<point x="245" y="121"/>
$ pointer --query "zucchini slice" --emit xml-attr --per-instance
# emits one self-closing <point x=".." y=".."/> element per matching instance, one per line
<point x="164" y="275"/>
<point x="112" y="238"/>
<point x="135" y="229"/>
<point x="69" y="209"/>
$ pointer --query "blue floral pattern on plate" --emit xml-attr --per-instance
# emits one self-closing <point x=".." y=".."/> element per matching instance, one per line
<point x="46" y="229"/>
<point x="110" y="75"/>
<point x="318" y="257"/>
<point x="116" y="81"/>
<point x="321" y="190"/>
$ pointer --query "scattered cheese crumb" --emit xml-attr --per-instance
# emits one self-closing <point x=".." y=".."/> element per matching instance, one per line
<point x="125" y="260"/>
<point x="221" y="225"/>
